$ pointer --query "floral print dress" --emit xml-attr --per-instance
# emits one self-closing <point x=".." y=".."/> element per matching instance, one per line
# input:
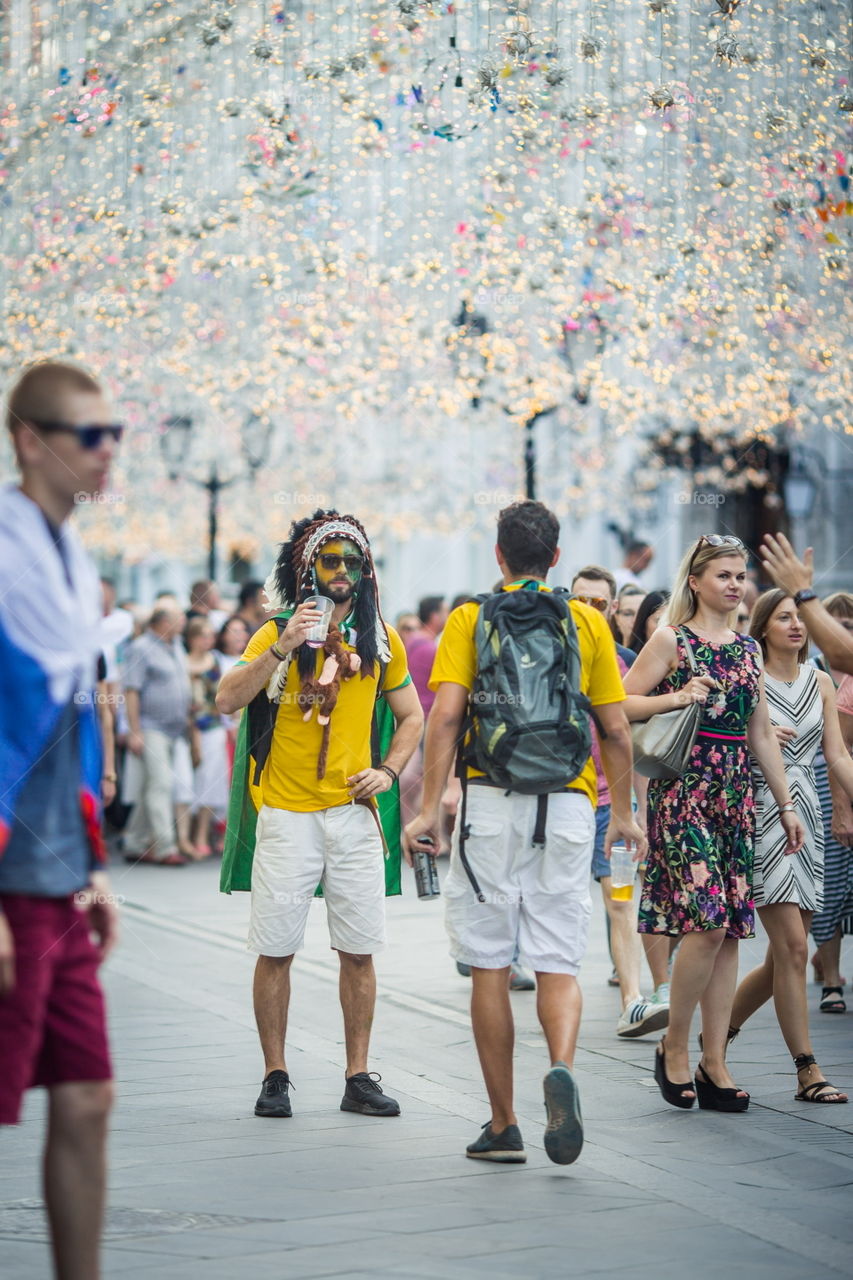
<point x="702" y="826"/>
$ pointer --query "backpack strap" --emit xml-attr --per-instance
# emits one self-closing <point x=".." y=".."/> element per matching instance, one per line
<point x="541" y="819"/>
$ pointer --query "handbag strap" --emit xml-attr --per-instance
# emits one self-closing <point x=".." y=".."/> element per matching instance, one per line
<point x="688" y="648"/>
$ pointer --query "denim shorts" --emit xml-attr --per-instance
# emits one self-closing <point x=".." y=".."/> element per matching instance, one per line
<point x="600" y="864"/>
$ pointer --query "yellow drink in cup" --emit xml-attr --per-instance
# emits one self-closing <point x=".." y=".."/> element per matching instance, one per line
<point x="623" y="872"/>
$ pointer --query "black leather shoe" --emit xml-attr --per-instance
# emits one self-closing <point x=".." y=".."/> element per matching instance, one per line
<point x="273" y="1099"/>
<point x="363" y="1095"/>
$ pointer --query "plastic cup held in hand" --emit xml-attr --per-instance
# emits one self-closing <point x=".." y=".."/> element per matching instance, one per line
<point x="316" y="637"/>
<point x="623" y="872"/>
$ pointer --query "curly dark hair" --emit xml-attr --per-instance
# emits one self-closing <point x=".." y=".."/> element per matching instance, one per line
<point x="294" y="584"/>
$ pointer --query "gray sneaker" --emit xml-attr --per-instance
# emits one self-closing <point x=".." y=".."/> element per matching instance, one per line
<point x="504" y="1148"/>
<point x="564" y="1130"/>
<point x="520" y="979"/>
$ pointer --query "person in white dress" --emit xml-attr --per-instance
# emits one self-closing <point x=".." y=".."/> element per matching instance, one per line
<point x="789" y="887"/>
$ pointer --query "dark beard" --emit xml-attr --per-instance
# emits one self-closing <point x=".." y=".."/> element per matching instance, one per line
<point x="339" y="595"/>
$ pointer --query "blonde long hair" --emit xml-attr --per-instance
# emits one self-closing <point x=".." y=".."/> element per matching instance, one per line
<point x="682" y="602"/>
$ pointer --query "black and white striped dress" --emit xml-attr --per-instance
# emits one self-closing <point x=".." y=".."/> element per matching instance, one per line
<point x="799" y="877"/>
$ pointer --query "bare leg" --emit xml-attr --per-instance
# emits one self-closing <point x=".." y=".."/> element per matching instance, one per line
<point x="657" y="951"/>
<point x="788" y="933"/>
<point x="75" y="1170"/>
<point x="202" y="827"/>
<point x="358" y="1000"/>
<point x="830" y="956"/>
<point x="716" y="1001"/>
<point x="754" y="990"/>
<point x="623" y="943"/>
<point x="558" y="1004"/>
<point x="494" y="1036"/>
<point x="182" y="826"/>
<point x="272" y="997"/>
<point x="691" y="973"/>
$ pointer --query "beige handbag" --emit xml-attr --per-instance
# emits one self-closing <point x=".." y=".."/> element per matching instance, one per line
<point x="663" y="743"/>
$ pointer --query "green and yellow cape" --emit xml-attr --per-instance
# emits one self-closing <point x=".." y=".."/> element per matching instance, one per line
<point x="253" y="740"/>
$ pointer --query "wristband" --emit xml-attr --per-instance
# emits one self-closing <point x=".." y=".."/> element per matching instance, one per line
<point x="109" y="777"/>
<point x="790" y="807"/>
<point x="274" y="649"/>
<point x="386" y="768"/>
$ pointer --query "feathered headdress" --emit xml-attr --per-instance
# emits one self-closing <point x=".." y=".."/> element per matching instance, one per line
<point x="292" y="581"/>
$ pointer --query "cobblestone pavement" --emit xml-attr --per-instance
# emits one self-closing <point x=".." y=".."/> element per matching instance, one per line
<point x="201" y="1188"/>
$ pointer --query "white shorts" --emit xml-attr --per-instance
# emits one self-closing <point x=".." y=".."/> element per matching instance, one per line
<point x="339" y="848"/>
<point x="537" y="898"/>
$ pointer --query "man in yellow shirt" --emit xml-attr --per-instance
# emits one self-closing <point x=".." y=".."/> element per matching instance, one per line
<point x="531" y="895"/>
<point x="315" y="788"/>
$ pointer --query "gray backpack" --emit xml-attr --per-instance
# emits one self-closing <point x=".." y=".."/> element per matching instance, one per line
<point x="529" y="723"/>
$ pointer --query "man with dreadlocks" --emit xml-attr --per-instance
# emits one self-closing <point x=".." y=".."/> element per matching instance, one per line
<point x="313" y="774"/>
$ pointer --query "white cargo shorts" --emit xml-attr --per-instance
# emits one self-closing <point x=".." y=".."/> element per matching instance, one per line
<point x="537" y="897"/>
<point x="339" y="848"/>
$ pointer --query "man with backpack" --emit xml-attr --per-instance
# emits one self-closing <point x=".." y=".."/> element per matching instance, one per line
<point x="516" y="676"/>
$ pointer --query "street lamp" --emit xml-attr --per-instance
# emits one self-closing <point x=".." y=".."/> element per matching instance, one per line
<point x="582" y="342"/>
<point x="472" y="326"/>
<point x="799" y="488"/>
<point x="530" y="451"/>
<point x="175" y="440"/>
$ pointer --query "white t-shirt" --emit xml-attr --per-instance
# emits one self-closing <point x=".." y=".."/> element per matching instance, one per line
<point x="115" y="628"/>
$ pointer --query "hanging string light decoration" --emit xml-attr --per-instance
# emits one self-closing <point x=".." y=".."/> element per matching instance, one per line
<point x="277" y="209"/>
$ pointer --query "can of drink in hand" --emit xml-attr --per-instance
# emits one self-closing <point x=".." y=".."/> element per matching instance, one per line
<point x="426" y="872"/>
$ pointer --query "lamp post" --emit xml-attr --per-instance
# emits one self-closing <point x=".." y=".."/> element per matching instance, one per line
<point x="471" y="325"/>
<point x="582" y="341"/>
<point x="175" y="440"/>
<point x="530" y="451"/>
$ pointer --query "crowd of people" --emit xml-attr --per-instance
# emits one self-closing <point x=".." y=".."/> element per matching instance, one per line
<point x="173" y="747"/>
<point x="504" y="722"/>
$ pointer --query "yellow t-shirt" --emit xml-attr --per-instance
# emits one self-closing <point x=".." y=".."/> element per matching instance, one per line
<point x="456" y="663"/>
<point x="289" y="779"/>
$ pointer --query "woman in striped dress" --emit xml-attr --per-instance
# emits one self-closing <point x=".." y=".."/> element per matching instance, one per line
<point x="789" y="887"/>
<point x="836" y="918"/>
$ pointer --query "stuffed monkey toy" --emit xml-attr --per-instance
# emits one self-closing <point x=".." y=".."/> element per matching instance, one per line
<point x="322" y="691"/>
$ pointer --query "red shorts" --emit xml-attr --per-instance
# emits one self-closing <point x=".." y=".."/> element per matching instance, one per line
<point x="53" y="1024"/>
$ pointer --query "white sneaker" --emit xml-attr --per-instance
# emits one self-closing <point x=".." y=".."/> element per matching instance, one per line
<point x="661" y="995"/>
<point x="641" y="1017"/>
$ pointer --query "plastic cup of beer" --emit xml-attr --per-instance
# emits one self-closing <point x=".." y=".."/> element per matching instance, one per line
<point x="623" y="872"/>
<point x="316" y="637"/>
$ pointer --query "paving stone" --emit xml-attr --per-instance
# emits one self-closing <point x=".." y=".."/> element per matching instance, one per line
<point x="327" y="1193"/>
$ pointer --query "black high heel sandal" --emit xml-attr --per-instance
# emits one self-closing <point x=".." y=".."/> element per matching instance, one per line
<point x="818" y="1090"/>
<point x="713" y="1098"/>
<point x="672" y="1093"/>
<point x="732" y="1034"/>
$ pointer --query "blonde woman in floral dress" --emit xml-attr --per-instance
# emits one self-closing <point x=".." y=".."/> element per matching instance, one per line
<point x="702" y="825"/>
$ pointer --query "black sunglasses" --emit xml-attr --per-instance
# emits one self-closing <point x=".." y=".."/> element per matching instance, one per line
<point x="330" y="561"/>
<point x="90" y="436"/>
